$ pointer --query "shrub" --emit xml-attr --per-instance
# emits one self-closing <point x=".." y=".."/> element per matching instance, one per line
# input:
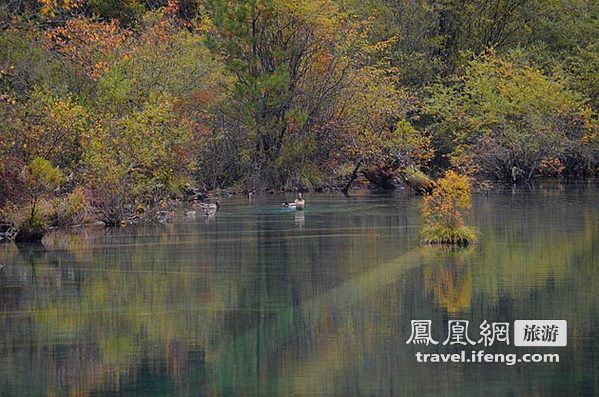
<point x="69" y="210"/>
<point x="444" y="210"/>
<point x="438" y="234"/>
<point x="41" y="179"/>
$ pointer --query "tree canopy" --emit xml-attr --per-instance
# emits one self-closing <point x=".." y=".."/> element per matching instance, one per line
<point x="138" y="101"/>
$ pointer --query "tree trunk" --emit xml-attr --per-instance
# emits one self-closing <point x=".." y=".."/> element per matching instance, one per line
<point x="353" y="177"/>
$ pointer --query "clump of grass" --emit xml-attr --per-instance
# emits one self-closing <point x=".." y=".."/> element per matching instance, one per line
<point x="444" y="210"/>
<point x="418" y="180"/>
<point x="438" y="234"/>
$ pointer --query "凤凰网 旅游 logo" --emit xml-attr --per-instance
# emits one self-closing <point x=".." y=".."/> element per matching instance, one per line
<point x="541" y="333"/>
<point x="524" y="333"/>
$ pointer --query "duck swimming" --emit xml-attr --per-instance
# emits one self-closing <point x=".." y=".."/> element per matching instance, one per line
<point x="298" y="204"/>
<point x="210" y="209"/>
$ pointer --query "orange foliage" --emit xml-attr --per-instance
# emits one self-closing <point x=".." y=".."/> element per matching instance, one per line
<point x="89" y="45"/>
<point x="172" y="7"/>
<point x="202" y="97"/>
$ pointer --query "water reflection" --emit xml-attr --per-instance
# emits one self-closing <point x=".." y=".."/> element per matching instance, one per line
<point x="300" y="219"/>
<point x="263" y="301"/>
<point x="447" y="275"/>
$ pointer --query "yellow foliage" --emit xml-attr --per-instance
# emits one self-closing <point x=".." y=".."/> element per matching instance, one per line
<point x="444" y="210"/>
<point x="51" y="7"/>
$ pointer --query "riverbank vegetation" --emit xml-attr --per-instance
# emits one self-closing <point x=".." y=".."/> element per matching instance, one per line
<point x="135" y="103"/>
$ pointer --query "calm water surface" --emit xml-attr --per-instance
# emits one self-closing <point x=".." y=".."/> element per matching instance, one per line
<point x="260" y="300"/>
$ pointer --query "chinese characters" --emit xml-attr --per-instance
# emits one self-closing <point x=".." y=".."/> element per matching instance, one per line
<point x="458" y="334"/>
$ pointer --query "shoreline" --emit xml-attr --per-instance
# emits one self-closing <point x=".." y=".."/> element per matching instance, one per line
<point x="176" y="206"/>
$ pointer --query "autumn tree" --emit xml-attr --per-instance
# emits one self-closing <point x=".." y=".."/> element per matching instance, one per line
<point x="283" y="56"/>
<point x="91" y="46"/>
<point x="375" y="137"/>
<point x="152" y="108"/>
<point x="137" y="160"/>
<point x="38" y="115"/>
<point x="43" y="125"/>
<point x="443" y="211"/>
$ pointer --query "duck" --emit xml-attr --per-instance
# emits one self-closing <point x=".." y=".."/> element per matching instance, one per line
<point x="210" y="209"/>
<point x="190" y="213"/>
<point x="298" y="204"/>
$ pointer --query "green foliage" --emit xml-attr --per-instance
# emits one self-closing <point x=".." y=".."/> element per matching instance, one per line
<point x="44" y="125"/>
<point x="413" y="145"/>
<point x="438" y="234"/>
<point x="25" y="62"/>
<point x="162" y="59"/>
<point x="564" y="26"/>
<point x="139" y="158"/>
<point x="370" y="136"/>
<point x="127" y="11"/>
<point x="418" y="180"/>
<point x="581" y="71"/>
<point x="293" y="63"/>
<point x="511" y="115"/>
<point x="42" y="177"/>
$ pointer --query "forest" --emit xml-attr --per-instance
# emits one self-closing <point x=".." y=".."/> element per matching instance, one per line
<point x="112" y="109"/>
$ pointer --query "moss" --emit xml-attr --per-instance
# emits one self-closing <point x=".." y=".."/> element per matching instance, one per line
<point x="418" y="180"/>
<point x="437" y="234"/>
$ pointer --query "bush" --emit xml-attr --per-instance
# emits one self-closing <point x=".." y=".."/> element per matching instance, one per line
<point x="69" y="210"/>
<point x="444" y="210"/>
<point x="41" y="179"/>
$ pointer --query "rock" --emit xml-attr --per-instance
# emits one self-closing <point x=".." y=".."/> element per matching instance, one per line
<point x="194" y="194"/>
<point x="31" y="231"/>
<point x="8" y="230"/>
<point x="29" y="235"/>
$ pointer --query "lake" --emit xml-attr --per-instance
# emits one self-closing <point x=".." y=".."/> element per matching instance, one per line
<point x="261" y="300"/>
